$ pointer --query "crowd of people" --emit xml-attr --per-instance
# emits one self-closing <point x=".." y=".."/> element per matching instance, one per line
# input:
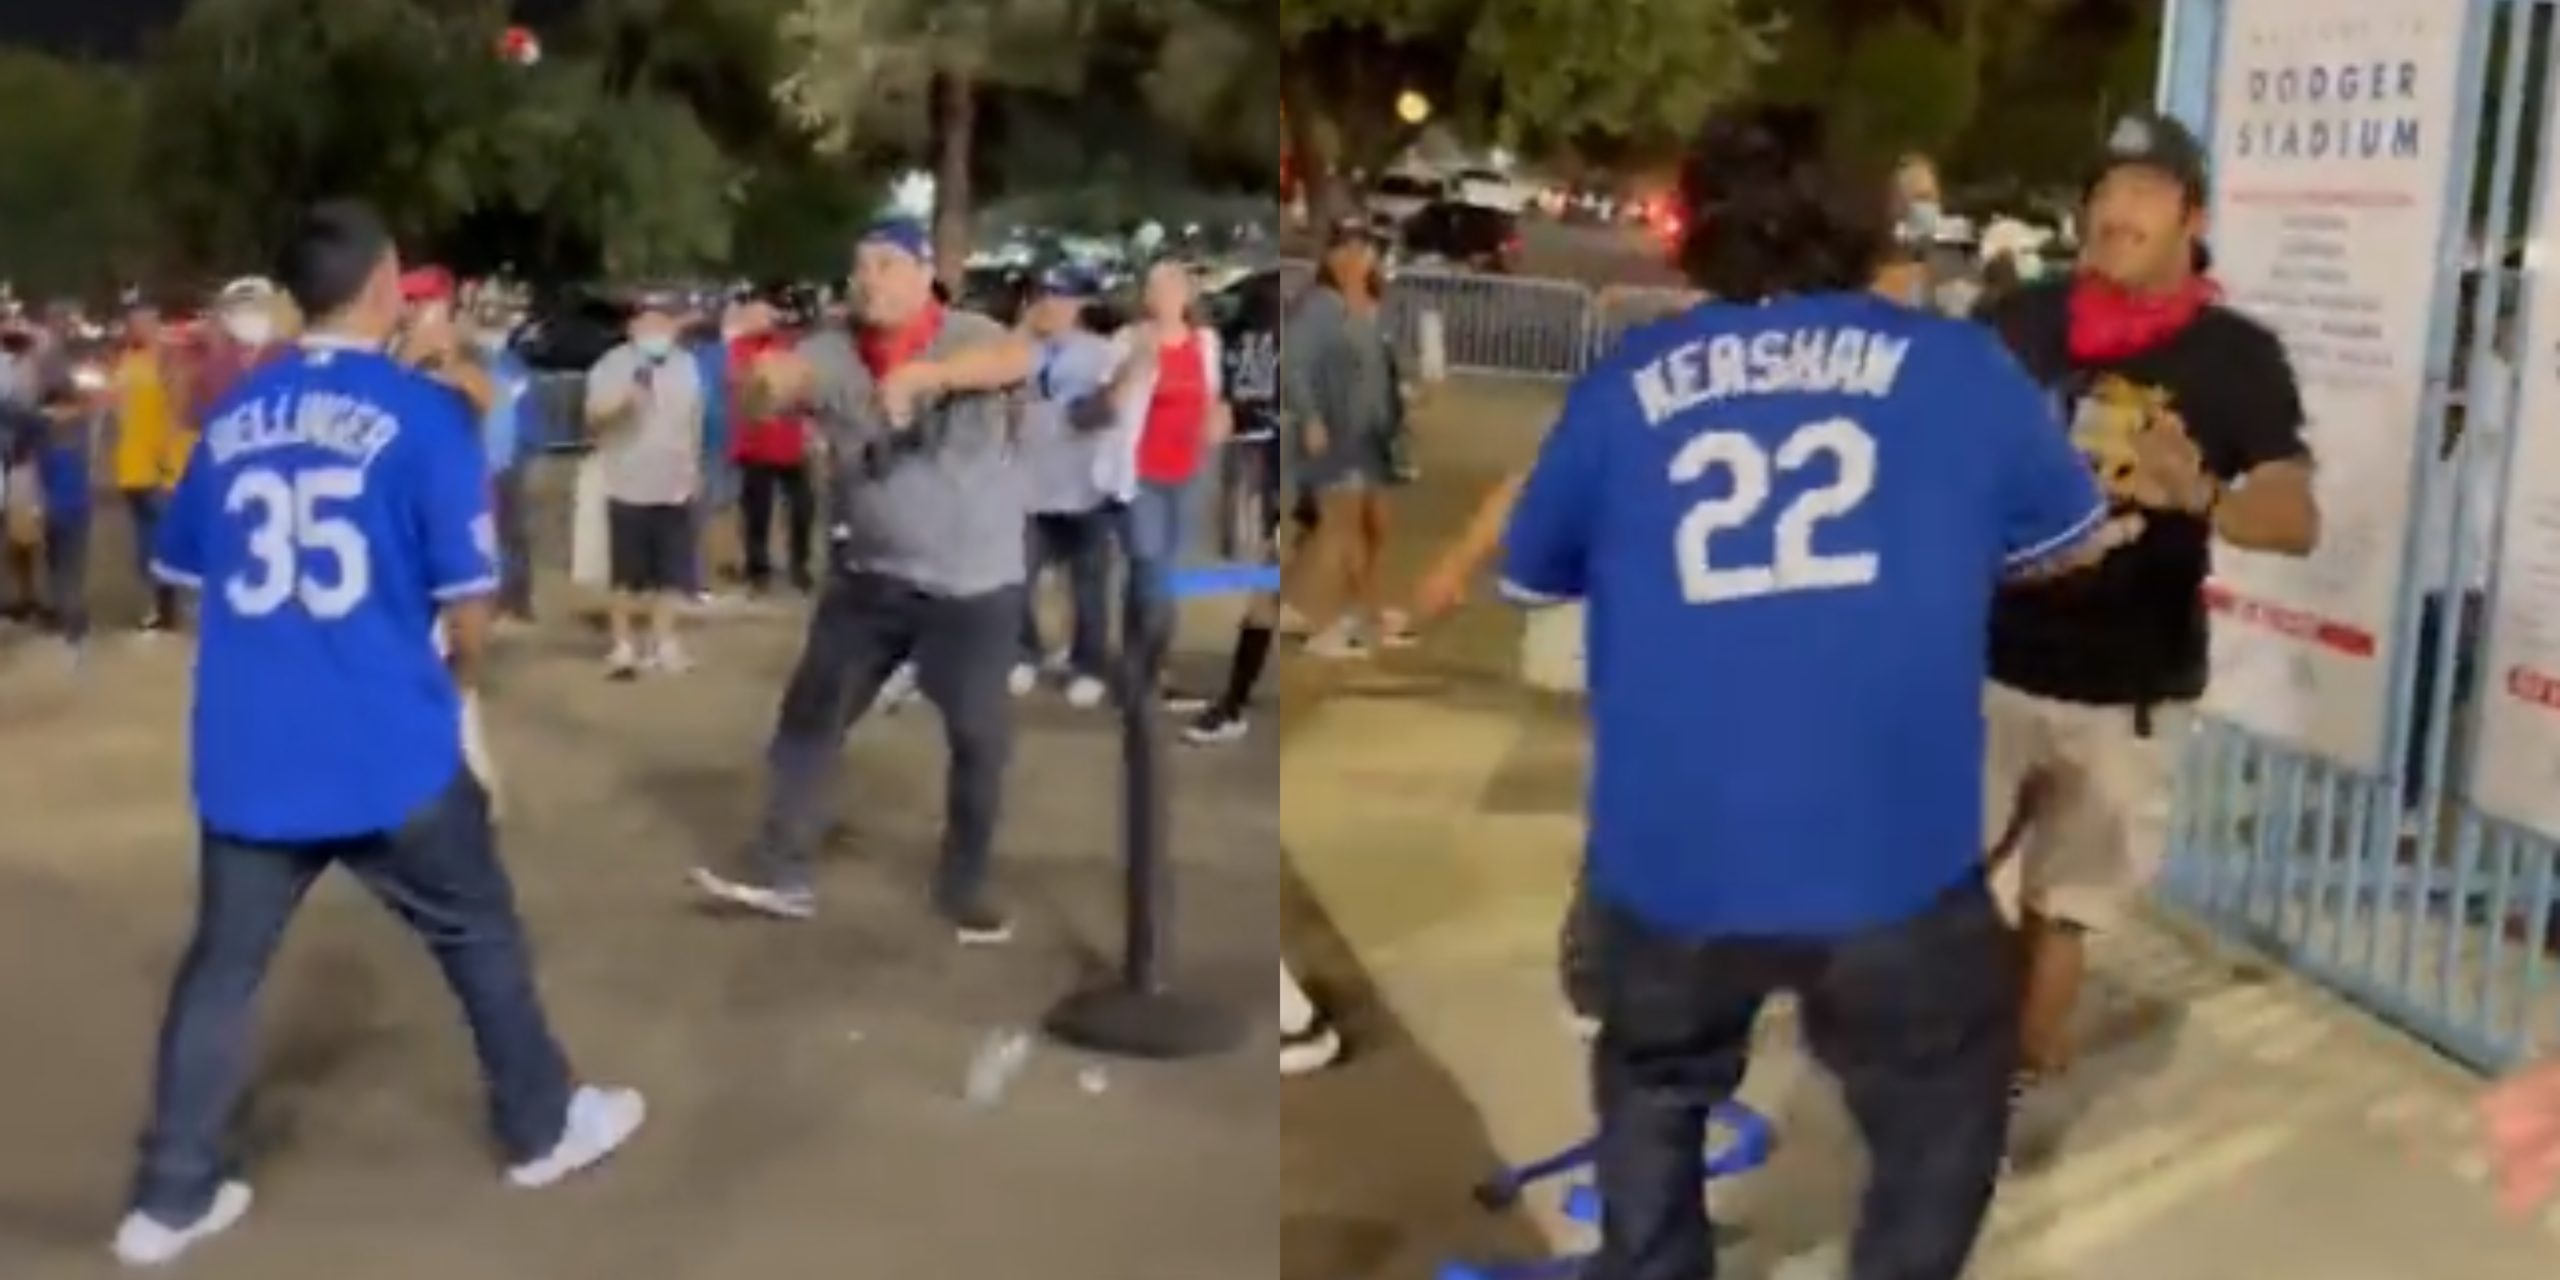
<point x="344" y="469"/>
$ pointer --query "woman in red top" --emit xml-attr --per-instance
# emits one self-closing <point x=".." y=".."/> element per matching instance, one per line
<point x="1172" y="405"/>
<point x="772" y="454"/>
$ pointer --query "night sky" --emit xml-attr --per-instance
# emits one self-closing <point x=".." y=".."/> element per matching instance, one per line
<point x="118" y="28"/>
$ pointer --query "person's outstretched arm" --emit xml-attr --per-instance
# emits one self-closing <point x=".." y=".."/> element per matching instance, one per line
<point x="1447" y="584"/>
<point x="2523" y="1118"/>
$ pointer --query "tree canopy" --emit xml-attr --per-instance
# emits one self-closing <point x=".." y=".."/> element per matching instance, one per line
<point x="654" y="137"/>
<point x="2013" y="88"/>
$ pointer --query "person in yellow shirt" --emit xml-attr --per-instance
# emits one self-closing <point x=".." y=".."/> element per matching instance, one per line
<point x="150" y="443"/>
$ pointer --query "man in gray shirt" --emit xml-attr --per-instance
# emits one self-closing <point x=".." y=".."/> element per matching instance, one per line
<point x="645" y="407"/>
<point x="926" y="564"/>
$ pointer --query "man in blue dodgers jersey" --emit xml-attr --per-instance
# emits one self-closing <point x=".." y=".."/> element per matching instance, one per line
<point x="1788" y="512"/>
<point x="338" y="506"/>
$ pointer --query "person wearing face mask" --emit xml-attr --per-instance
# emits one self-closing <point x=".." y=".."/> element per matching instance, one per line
<point x="645" y="405"/>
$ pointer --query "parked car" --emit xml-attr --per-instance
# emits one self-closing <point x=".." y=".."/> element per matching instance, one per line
<point x="1493" y="189"/>
<point x="569" y="332"/>
<point x="1467" y="235"/>
<point x="1400" y="195"/>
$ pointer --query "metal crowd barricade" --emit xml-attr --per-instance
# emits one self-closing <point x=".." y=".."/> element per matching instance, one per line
<point x="1618" y="309"/>
<point x="1496" y="324"/>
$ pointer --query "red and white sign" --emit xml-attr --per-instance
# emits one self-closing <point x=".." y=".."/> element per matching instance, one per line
<point x="2515" y="758"/>
<point x="2333" y="146"/>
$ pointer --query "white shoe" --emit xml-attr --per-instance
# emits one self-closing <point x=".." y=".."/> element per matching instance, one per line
<point x="144" y="1241"/>
<point x="1084" y="693"/>
<point x="1292" y="622"/>
<point x="1395" y="630"/>
<point x="1342" y="642"/>
<point x="1025" y="678"/>
<point x="781" y="904"/>
<point x="898" y="692"/>
<point x="622" y="662"/>
<point x="670" y="658"/>
<point x="1303" y="1053"/>
<point x="600" y="1121"/>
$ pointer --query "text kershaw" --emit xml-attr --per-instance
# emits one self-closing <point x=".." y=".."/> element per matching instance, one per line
<point x="1844" y="361"/>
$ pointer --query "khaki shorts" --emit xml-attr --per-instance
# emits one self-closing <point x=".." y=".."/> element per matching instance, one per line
<point x="2097" y="824"/>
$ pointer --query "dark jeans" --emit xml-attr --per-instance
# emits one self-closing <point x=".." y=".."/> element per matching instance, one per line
<point x="515" y="543"/>
<point x="759" y="486"/>
<point x="441" y="875"/>
<point x="864" y="628"/>
<point x="66" y="575"/>
<point x="1081" y="542"/>
<point x="1917" y="1021"/>
<point x="143" y="505"/>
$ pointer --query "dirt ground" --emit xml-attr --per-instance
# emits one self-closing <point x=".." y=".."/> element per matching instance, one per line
<point x="805" y="1080"/>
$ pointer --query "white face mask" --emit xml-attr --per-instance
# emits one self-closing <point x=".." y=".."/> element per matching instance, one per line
<point x="249" y="328"/>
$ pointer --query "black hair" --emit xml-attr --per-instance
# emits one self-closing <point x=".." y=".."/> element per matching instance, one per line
<point x="332" y="251"/>
<point x="1772" y="211"/>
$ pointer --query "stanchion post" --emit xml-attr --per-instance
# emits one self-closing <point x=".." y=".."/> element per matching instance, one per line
<point x="1137" y="1014"/>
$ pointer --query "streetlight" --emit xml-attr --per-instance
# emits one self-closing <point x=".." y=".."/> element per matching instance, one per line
<point x="1412" y="107"/>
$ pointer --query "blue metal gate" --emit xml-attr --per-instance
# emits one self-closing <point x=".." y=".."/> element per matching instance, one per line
<point x="2386" y="881"/>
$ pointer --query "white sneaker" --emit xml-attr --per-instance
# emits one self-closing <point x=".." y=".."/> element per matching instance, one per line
<point x="1395" y="630"/>
<point x="1292" y="622"/>
<point x="144" y="1241"/>
<point x="622" y="662"/>
<point x="600" y="1121"/>
<point x="1308" y="1051"/>
<point x="670" y="658"/>
<point x="1025" y="678"/>
<point x="898" y="692"/>
<point x="1341" y="642"/>
<point x="1084" y="693"/>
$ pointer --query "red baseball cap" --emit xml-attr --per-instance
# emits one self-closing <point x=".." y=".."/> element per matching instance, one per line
<point x="426" y="284"/>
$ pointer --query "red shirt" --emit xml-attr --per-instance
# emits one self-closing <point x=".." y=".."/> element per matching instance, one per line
<point x="1177" y="426"/>
<point x="778" y="441"/>
<point x="885" y="349"/>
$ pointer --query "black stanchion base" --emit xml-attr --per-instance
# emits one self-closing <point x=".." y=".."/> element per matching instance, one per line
<point x="1156" y="1025"/>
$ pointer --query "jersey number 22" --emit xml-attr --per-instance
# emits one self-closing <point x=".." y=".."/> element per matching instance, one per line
<point x="1795" y="566"/>
<point x="300" y="546"/>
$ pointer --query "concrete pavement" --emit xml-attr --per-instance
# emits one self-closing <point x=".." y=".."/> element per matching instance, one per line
<point x="805" y="1080"/>
<point x="2235" y="1125"/>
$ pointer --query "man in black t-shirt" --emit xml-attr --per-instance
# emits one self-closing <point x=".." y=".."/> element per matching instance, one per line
<point x="2190" y="413"/>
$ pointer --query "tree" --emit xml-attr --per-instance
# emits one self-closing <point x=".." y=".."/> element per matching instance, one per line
<point x="563" y="167"/>
<point x="67" y="168"/>
<point x="1533" y="74"/>
<point x="234" y="142"/>
<point x="912" y="72"/>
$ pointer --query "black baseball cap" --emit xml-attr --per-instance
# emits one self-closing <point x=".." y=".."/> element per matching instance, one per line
<point x="2158" y="142"/>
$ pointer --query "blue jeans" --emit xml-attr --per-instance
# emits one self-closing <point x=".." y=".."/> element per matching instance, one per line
<point x="1153" y="530"/>
<point x="1081" y="543"/>
<point x="440" y="874"/>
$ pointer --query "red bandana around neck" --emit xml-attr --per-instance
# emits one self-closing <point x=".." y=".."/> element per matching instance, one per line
<point x="886" y="349"/>
<point x="2109" y="323"/>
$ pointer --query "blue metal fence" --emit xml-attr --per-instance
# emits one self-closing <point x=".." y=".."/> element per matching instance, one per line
<point x="2386" y="881"/>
